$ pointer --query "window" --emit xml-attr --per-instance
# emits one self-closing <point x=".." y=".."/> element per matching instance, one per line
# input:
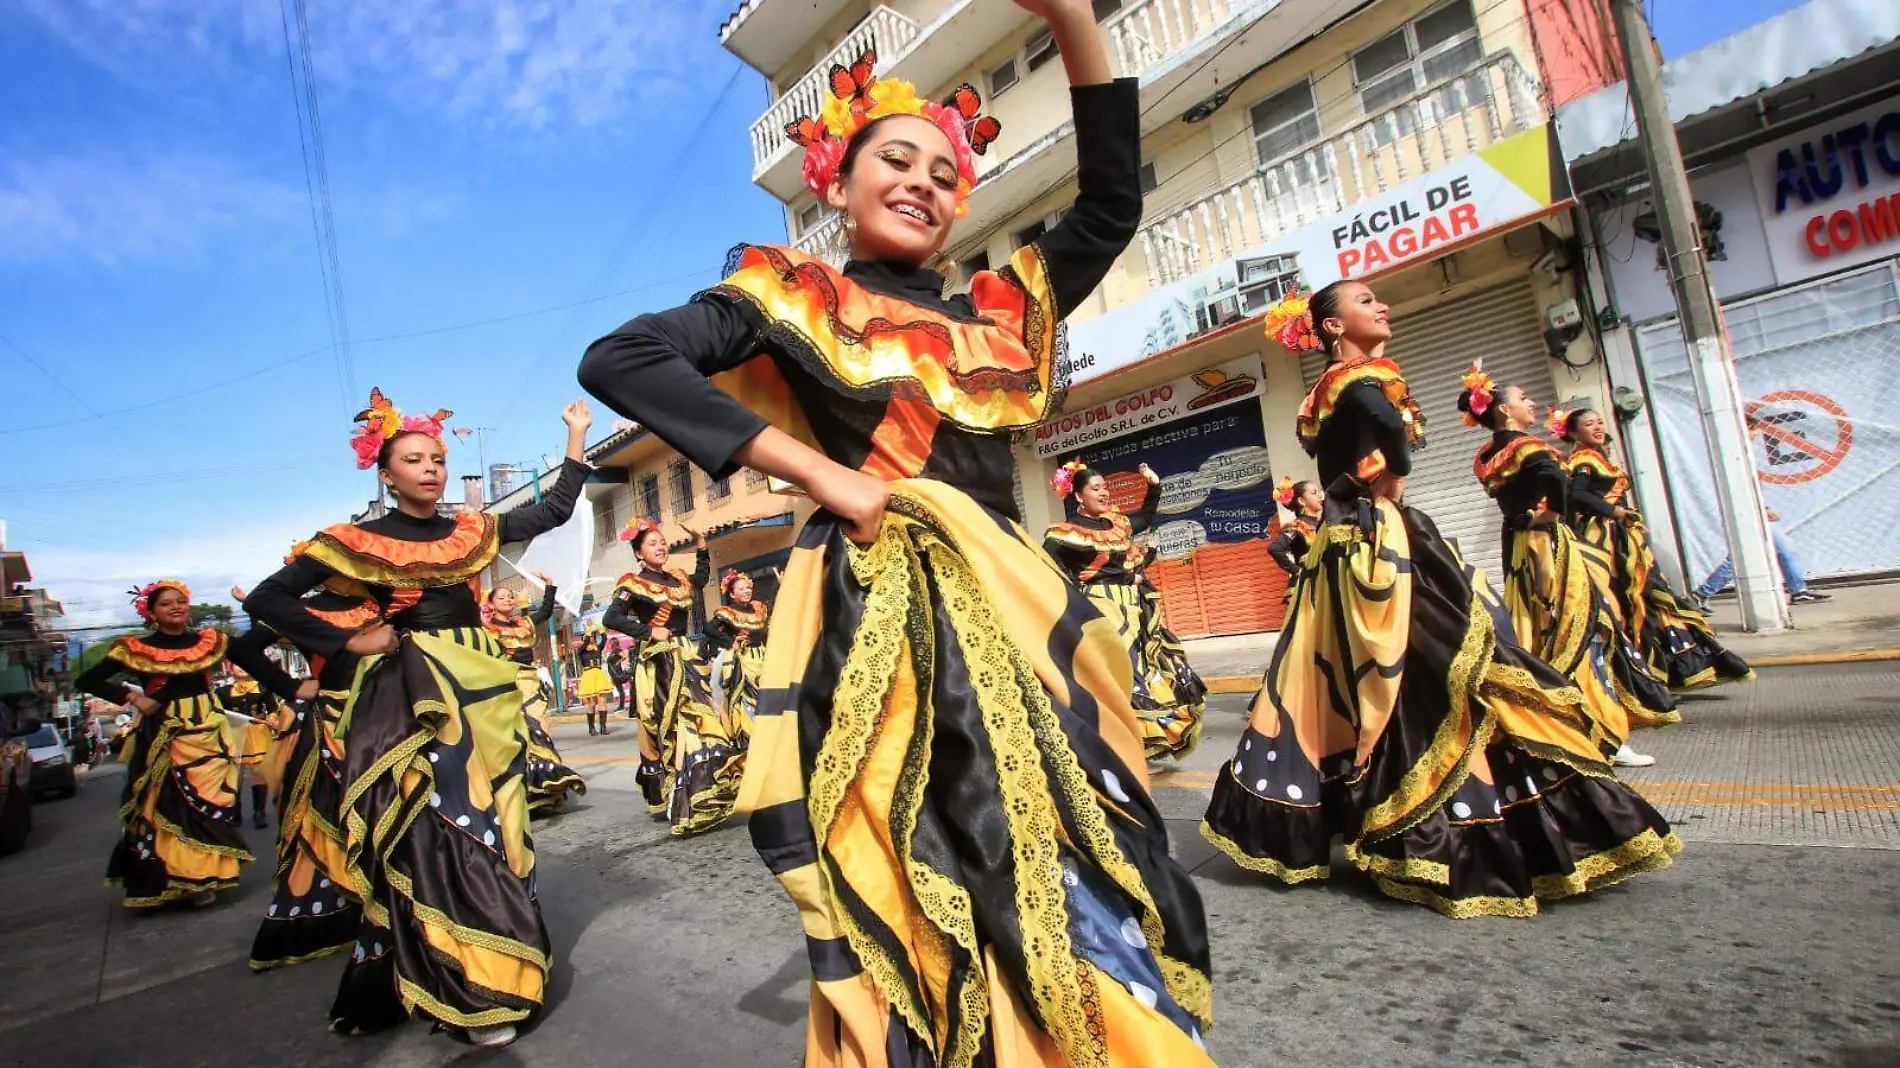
<point x="974" y="266"/>
<point x="679" y="486"/>
<point x="1149" y="183"/>
<point x="1284" y="123"/>
<point x="1040" y="50"/>
<point x="1105" y="8"/>
<point x="606" y="523"/>
<point x="1002" y="77"/>
<point x="1433" y="48"/>
<point x="647" y="504"/>
<point x="719" y="489"/>
<point x="809" y="217"/>
<point x="754" y="479"/>
<point x="1038" y="228"/>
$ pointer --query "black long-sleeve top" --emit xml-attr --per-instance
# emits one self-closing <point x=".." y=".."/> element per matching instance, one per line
<point x="1521" y="473"/>
<point x="1363" y="419"/>
<point x="276" y="600"/>
<point x="1099" y="549"/>
<point x="652" y="597"/>
<point x="518" y="634"/>
<point x="737" y="624"/>
<point x="1288" y="548"/>
<point x="1597" y="486"/>
<point x="655" y="368"/>
<point x="246" y="651"/>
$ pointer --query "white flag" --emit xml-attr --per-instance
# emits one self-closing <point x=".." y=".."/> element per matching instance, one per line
<point x="564" y="554"/>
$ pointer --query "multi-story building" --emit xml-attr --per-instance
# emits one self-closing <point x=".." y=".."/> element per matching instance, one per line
<point x="32" y="652"/>
<point x="1286" y="144"/>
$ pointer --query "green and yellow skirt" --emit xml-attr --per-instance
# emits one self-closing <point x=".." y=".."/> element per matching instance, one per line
<point x="436" y="840"/>
<point x="689" y="764"/>
<point x="312" y="911"/>
<point x="947" y="777"/>
<point x="549" y="779"/>
<point x="179" y="808"/>
<point x="1675" y="640"/>
<point x="739" y="687"/>
<point x="1401" y="714"/>
<point x="1170" y="700"/>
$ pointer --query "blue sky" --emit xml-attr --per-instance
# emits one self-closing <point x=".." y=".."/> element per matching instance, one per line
<point x="486" y="158"/>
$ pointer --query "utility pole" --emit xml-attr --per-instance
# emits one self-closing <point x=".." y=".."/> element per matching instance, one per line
<point x="1731" y="457"/>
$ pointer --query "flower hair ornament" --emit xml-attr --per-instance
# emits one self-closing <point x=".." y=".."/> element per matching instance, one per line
<point x="142" y="597"/>
<point x="1283" y="492"/>
<point x="726" y="580"/>
<point x="1482" y="389"/>
<point x="1558" y="423"/>
<point x="632" y="531"/>
<point x="382" y="420"/>
<point x="1064" y="482"/>
<point x="1291" y="324"/>
<point x="859" y="98"/>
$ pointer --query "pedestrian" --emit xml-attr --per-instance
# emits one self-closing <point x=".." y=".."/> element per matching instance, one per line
<point x="595" y="685"/>
<point x="1793" y="575"/>
<point x="436" y="807"/>
<point x="1397" y="713"/>
<point x="946" y="773"/>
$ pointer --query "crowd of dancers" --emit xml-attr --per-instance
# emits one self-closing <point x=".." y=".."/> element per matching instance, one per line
<point x="942" y="730"/>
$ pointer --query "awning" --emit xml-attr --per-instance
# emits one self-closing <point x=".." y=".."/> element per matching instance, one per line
<point x="783" y="519"/>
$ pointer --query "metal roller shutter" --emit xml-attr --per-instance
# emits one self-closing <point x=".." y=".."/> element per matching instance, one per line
<point x="1224" y="588"/>
<point x="1433" y="347"/>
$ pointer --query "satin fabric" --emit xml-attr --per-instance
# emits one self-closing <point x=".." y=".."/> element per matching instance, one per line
<point x="313" y="912"/>
<point x="178" y="810"/>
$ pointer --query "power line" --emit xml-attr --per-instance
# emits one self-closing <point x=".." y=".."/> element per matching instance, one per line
<point x="316" y="168"/>
<point x="119" y="481"/>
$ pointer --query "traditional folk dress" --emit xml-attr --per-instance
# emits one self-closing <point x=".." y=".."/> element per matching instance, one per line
<point x="1674" y="639"/>
<point x="549" y="780"/>
<point x="436" y="833"/>
<point x="179" y="807"/>
<point x="946" y="774"/>
<point x="739" y="630"/>
<point x="1101" y="556"/>
<point x="313" y="910"/>
<point x="1401" y="713"/>
<point x="595" y="684"/>
<point x="1556" y="609"/>
<point x="1290" y="546"/>
<point x="689" y="763"/>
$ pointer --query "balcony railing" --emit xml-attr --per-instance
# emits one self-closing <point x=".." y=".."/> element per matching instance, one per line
<point x="1448" y="119"/>
<point x="885" y="30"/>
<point x="826" y="240"/>
<point x="1147" y="32"/>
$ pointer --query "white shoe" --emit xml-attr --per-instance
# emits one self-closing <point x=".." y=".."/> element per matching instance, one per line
<point x="492" y="1037"/>
<point x="1630" y="758"/>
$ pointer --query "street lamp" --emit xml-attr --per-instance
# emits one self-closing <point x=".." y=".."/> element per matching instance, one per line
<point x="480" y="434"/>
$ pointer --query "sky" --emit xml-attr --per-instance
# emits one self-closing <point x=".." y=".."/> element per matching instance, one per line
<point x="508" y="180"/>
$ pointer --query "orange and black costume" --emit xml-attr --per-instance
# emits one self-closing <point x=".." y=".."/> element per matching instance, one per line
<point x="1401" y="713"/>
<point x="946" y="773"/>
<point x="549" y="779"/>
<point x="740" y="631"/>
<point x="1101" y="556"/>
<point x="179" y="807"/>
<point x="436" y="805"/>
<point x="1553" y="600"/>
<point x="1676" y="640"/>
<point x="689" y="763"/>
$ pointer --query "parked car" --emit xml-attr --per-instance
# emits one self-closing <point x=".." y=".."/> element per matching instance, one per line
<point x="52" y="764"/>
<point x="16" y="771"/>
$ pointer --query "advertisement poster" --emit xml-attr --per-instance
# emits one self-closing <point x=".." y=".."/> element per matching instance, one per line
<point x="1830" y="195"/>
<point x="1214" y="479"/>
<point x="1513" y="180"/>
<point x="1184" y="397"/>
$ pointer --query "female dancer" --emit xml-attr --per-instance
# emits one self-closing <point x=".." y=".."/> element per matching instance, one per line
<point x="549" y="780"/>
<point x="1306" y="499"/>
<point x="595" y="686"/>
<point x="689" y="764"/>
<point x="1399" y="711"/>
<point x="738" y="628"/>
<point x="945" y="773"/>
<point x="1554" y="605"/>
<point x="1098" y="550"/>
<point x="1675" y="639"/>
<point x="436" y="808"/>
<point x="179" y="807"/>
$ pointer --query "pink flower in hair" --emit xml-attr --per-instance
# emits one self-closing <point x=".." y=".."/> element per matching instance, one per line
<point x="422" y="424"/>
<point x="367" y="442"/>
<point x="823" y="160"/>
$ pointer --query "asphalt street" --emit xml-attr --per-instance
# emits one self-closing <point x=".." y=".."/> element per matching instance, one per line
<point x="1774" y="940"/>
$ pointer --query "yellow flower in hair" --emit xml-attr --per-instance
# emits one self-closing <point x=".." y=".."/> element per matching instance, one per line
<point x="893" y="96"/>
<point x="838" y="118"/>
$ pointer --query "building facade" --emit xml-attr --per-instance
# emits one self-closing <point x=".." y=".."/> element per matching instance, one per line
<point x="1286" y="144"/>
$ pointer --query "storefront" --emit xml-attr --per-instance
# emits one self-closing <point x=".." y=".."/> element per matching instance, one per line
<point x="1804" y="235"/>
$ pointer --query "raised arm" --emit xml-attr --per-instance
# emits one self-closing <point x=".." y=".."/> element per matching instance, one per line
<point x="277" y="603"/>
<point x="247" y="651"/>
<point x="545" y="610"/>
<point x="1144" y="517"/>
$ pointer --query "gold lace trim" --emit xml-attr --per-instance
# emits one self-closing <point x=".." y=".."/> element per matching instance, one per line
<point x="1263" y="865"/>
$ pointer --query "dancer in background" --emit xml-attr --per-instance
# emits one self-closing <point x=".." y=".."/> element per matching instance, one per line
<point x="738" y="628"/>
<point x="620" y="670"/>
<point x="1399" y="711"/>
<point x="549" y="780"/>
<point x="436" y="806"/>
<point x="946" y="774"/>
<point x="1306" y="499"/>
<point x="689" y="764"/>
<point x="595" y="687"/>
<point x="1555" y="608"/>
<point x="260" y="726"/>
<point x="1674" y="638"/>
<point x="1097" y="548"/>
<point x="179" y="807"/>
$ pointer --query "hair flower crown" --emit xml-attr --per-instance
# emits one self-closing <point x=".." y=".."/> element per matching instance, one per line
<point x="632" y="531"/>
<point x="726" y="580"/>
<point x="859" y="98"/>
<point x="1290" y="322"/>
<point x="382" y="420"/>
<point x="1482" y="389"/>
<point x="1064" y="482"/>
<point x="143" y="596"/>
<point x="1558" y="423"/>
<point x="1283" y="492"/>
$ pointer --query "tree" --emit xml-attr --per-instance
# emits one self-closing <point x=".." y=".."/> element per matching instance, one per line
<point x="217" y="614"/>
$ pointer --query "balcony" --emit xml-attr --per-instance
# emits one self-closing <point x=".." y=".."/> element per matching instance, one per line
<point x="1146" y="34"/>
<point x="1444" y="121"/>
<point x="826" y="240"/>
<point x="766" y="34"/>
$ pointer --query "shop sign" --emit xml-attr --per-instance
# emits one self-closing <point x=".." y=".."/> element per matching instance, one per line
<point x="1490" y="190"/>
<point x="1227" y="383"/>
<point x="1830" y="195"/>
<point x="1214" y="477"/>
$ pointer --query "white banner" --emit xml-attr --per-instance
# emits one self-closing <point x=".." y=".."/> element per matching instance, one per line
<point x="1830" y="195"/>
<point x="563" y="553"/>
<point x="1227" y="383"/>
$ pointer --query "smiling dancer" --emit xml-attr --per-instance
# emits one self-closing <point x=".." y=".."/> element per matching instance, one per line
<point x="1306" y="499"/>
<point x="436" y="807"/>
<point x="1399" y="711"/>
<point x="549" y="780"/>
<point x="946" y="773"/>
<point x="179" y="807"/>
<point x="738" y="628"/>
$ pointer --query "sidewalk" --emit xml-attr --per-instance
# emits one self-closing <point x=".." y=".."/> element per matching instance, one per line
<point x="1861" y="622"/>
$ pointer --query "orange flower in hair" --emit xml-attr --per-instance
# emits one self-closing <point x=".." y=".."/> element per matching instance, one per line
<point x="1558" y="423"/>
<point x="1283" y="492"/>
<point x="633" y="530"/>
<point x="1064" y="482"/>
<point x="1290" y="322"/>
<point x="1482" y="389"/>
